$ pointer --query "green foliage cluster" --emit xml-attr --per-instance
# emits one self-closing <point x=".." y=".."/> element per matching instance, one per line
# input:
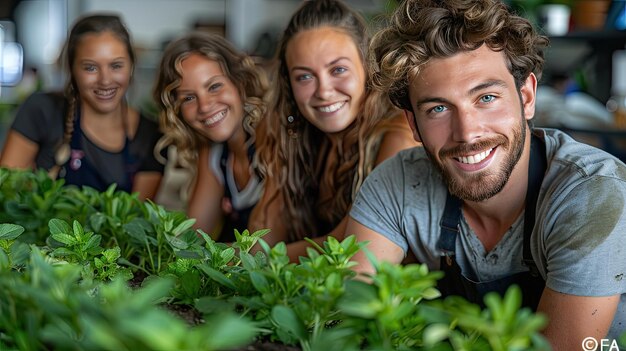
<point x="147" y="235"/>
<point x="67" y="255"/>
<point x="46" y="305"/>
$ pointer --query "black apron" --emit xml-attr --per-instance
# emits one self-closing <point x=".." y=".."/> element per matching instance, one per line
<point x="530" y="282"/>
<point x="79" y="171"/>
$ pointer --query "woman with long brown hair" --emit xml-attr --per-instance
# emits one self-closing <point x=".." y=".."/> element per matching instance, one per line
<point x="325" y="130"/>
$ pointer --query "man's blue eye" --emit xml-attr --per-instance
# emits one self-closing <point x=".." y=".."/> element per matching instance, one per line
<point x="487" y="98"/>
<point x="439" y="108"/>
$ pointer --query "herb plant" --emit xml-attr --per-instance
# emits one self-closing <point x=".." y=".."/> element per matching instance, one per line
<point x="67" y="253"/>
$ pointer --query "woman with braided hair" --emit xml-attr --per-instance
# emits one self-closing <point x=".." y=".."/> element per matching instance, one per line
<point x="89" y="136"/>
<point x="326" y="129"/>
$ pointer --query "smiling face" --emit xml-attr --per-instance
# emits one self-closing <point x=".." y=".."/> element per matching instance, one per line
<point x="102" y="69"/>
<point x="209" y="101"/>
<point x="472" y="120"/>
<point x="327" y="77"/>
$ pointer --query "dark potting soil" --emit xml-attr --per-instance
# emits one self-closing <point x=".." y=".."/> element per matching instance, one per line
<point x="267" y="346"/>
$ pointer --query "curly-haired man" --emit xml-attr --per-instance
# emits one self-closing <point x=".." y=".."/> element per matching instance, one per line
<point x="488" y="199"/>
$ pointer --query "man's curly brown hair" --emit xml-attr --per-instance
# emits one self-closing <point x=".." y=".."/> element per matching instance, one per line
<point x="420" y="30"/>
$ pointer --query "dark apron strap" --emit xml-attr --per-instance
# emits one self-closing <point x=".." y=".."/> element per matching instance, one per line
<point x="536" y="171"/>
<point x="449" y="225"/>
<point x="224" y="165"/>
<point x="238" y="218"/>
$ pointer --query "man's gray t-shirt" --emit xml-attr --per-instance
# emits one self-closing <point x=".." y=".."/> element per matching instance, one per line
<point x="578" y="241"/>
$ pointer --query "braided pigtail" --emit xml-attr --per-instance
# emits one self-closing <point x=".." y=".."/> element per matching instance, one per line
<point x="63" y="151"/>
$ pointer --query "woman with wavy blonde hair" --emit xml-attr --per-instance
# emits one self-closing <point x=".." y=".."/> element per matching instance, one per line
<point x="326" y="128"/>
<point x="211" y="99"/>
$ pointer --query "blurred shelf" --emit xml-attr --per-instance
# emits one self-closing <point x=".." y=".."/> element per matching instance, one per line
<point x="590" y="51"/>
<point x="597" y="36"/>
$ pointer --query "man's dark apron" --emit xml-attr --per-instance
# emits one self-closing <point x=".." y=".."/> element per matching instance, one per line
<point x="81" y="172"/>
<point x="530" y="282"/>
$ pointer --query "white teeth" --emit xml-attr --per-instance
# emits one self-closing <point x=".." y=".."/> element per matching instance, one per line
<point x="474" y="158"/>
<point x="215" y="118"/>
<point x="331" y="108"/>
<point x="105" y="92"/>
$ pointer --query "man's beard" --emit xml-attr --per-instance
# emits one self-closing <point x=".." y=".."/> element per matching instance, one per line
<point x="482" y="185"/>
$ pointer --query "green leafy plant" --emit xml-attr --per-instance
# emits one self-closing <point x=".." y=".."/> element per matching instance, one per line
<point x="147" y="235"/>
<point x="401" y="310"/>
<point x="502" y="325"/>
<point x="13" y="253"/>
<point x="293" y="303"/>
<point x="78" y="246"/>
<point x="384" y="314"/>
<point x="105" y="267"/>
<point x="45" y="307"/>
<point x="157" y="236"/>
<point x="68" y="289"/>
<point x="29" y="199"/>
